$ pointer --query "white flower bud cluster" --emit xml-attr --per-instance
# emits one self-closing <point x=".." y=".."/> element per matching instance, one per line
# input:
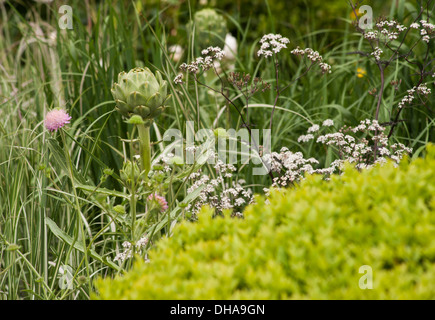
<point x="128" y="250"/>
<point x="305" y="138"/>
<point x="210" y="55"/>
<point x="371" y="35"/>
<point x="328" y="123"/>
<point x="358" y="144"/>
<point x="291" y="166"/>
<point x="377" y="53"/>
<point x="178" y="79"/>
<point x="219" y="193"/>
<point x="272" y="43"/>
<point x="409" y="98"/>
<point x="314" y="56"/>
<point x="313" y="128"/>
<point x="386" y="30"/>
<point x="427" y="30"/>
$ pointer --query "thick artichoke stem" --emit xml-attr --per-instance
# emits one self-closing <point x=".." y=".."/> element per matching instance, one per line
<point x="145" y="147"/>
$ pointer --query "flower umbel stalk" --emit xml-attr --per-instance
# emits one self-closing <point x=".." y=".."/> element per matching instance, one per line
<point x="145" y="147"/>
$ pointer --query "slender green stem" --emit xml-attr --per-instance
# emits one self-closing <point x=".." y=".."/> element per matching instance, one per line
<point x="29" y="265"/>
<point x="132" y="190"/>
<point x="80" y="227"/>
<point x="145" y="147"/>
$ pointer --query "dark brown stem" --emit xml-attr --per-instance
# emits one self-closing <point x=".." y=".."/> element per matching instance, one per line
<point x="381" y="91"/>
<point x="277" y="91"/>
<point x="378" y="107"/>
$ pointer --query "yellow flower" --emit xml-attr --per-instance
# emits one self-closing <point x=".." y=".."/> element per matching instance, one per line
<point x="352" y="14"/>
<point x="360" y="73"/>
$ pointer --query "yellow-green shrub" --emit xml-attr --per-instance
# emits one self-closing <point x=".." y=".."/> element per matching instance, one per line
<point x="308" y="243"/>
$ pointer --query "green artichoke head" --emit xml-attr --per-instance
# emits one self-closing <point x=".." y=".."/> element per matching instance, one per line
<point x="211" y="28"/>
<point x="140" y="92"/>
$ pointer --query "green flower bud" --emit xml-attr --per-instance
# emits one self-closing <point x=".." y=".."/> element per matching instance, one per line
<point x="108" y="172"/>
<point x="176" y="161"/>
<point x="129" y="171"/>
<point x="158" y="167"/>
<point x="183" y="205"/>
<point x="220" y="133"/>
<point x="119" y="209"/>
<point x="210" y="29"/>
<point x="13" y="247"/>
<point x="82" y="279"/>
<point x="135" y="119"/>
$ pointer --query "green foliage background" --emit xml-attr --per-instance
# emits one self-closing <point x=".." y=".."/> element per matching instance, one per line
<point x="43" y="67"/>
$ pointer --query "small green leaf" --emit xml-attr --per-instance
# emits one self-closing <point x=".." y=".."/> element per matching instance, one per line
<point x="60" y="234"/>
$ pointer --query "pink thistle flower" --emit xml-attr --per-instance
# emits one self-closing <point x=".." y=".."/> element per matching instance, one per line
<point x="160" y="200"/>
<point x="56" y="119"/>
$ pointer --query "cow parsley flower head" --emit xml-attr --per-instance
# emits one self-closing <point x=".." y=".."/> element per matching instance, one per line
<point x="314" y="56"/>
<point x="305" y="138"/>
<point x="314" y="128"/>
<point x="206" y="62"/>
<point x="328" y="123"/>
<point x="56" y="119"/>
<point x="359" y="144"/>
<point x="178" y="79"/>
<point x="129" y="249"/>
<point x="377" y="53"/>
<point x="221" y="192"/>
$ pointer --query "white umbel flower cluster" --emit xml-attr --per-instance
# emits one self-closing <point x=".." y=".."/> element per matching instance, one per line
<point x="128" y="250"/>
<point x="206" y="62"/>
<point x="358" y="145"/>
<point x="385" y="31"/>
<point x="377" y="53"/>
<point x="313" y="128"/>
<point x="178" y="79"/>
<point x="422" y="89"/>
<point x="219" y="193"/>
<point x="272" y="43"/>
<point x="388" y="30"/>
<point x="328" y="123"/>
<point x="305" y="138"/>
<point x="427" y="30"/>
<point x="314" y="56"/>
<point x="291" y="166"/>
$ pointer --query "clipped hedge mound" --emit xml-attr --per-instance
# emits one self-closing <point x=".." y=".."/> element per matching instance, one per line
<point x="308" y="243"/>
